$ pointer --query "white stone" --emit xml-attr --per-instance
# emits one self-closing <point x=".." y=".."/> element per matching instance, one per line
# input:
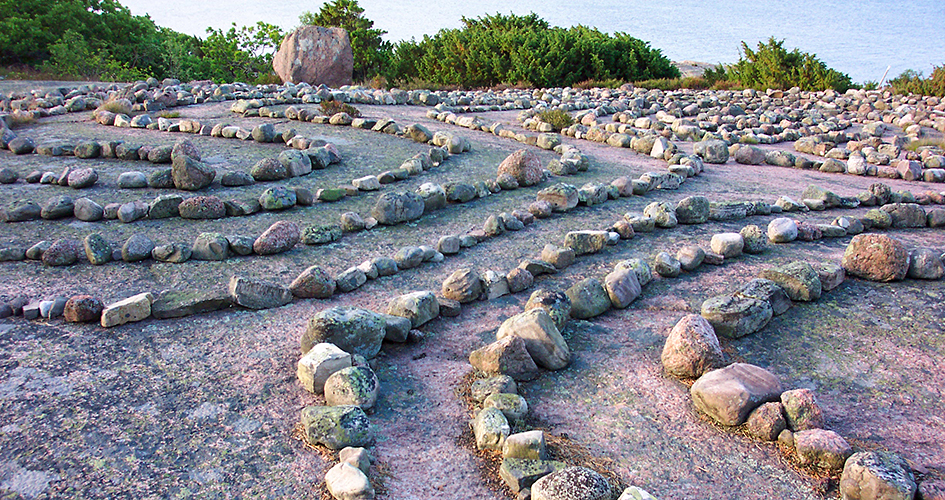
<point x="134" y="308"/>
<point x="319" y="363"/>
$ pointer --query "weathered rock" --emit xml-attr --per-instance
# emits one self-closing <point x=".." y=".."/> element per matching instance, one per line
<point x="562" y="197"/>
<point x="572" y="483"/>
<point x="279" y="237"/>
<point x="483" y="388"/>
<point x="58" y="207"/>
<point x="692" y="210"/>
<point x="490" y="428"/>
<point x="83" y="309"/>
<point x="97" y="250"/>
<point x="394" y="208"/>
<point x="337" y="427"/>
<point x="354" y="330"/>
<point x="585" y="242"/>
<point x="313" y="283"/>
<point x="419" y="307"/>
<point x="201" y="207"/>
<point x="766" y="422"/>
<point x="712" y="151"/>
<point x="905" y="215"/>
<point x="524" y="166"/>
<point x="62" y="252"/>
<point x="730" y="394"/>
<point x="254" y="293"/>
<point x="507" y="356"/>
<point x="925" y="264"/>
<point x="801" y="410"/>
<point x="822" y="449"/>
<point x="210" y="246"/>
<point x="513" y="406"/>
<point x="542" y="339"/>
<point x="528" y="445"/>
<point x="666" y="265"/>
<point x="347" y="482"/>
<point x="728" y="245"/>
<point x="556" y="304"/>
<point x="134" y="308"/>
<point x="769" y="291"/>
<point x="754" y="238"/>
<point x="557" y="256"/>
<point x="799" y="280"/>
<point x="278" y="198"/>
<point x="137" y="248"/>
<point x="181" y="303"/>
<point x="521" y="473"/>
<point x="874" y="475"/>
<point x="831" y="275"/>
<point x="320" y="362"/>
<point x="464" y="285"/>
<point x="315" y="55"/>
<point x="588" y="299"/>
<point x="191" y="174"/>
<point x="622" y="287"/>
<point x="354" y="385"/>
<point x="692" y="348"/>
<point x="876" y="257"/>
<point x="662" y="213"/>
<point x="735" y="316"/>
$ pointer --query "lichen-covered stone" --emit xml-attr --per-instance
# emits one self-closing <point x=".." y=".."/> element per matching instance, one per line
<point x="354" y="330"/>
<point x="337" y="427"/>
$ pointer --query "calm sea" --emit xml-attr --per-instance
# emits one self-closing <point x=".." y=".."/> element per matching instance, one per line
<point x="859" y="37"/>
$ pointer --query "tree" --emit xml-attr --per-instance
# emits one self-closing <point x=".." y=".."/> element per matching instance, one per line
<point x="243" y="54"/>
<point x="371" y="53"/>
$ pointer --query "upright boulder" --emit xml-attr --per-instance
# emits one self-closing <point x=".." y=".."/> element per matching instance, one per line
<point x="315" y="55"/>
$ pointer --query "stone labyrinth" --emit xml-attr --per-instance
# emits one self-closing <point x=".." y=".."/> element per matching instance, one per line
<point x="227" y="291"/>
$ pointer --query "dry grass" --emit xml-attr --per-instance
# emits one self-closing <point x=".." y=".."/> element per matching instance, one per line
<point x="20" y="118"/>
<point x="117" y="106"/>
<point x="918" y="143"/>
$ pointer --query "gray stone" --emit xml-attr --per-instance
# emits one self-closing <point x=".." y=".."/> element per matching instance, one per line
<point x="880" y="475"/>
<point x="354" y="385"/>
<point x="137" y="248"/>
<point x="210" y="246"/>
<point x="692" y="348"/>
<point x="728" y="395"/>
<point x="799" y="280"/>
<point x="735" y="316"/>
<point x="419" y="307"/>
<point x="254" y="293"/>
<point x="337" y="427"/>
<point x="588" y="299"/>
<point x="542" y="339"/>
<point x="572" y="483"/>
<point x="354" y="330"/>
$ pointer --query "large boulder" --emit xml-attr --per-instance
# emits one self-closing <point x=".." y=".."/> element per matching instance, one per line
<point x="394" y="208"/>
<point x="729" y="395"/>
<point x="798" y="279"/>
<point x="876" y="257"/>
<point x="315" y="55"/>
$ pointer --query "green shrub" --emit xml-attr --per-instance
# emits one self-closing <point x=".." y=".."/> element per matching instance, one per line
<point x="73" y="56"/>
<point x="911" y="81"/>
<point x="511" y="50"/>
<point x="558" y="119"/>
<point x="772" y="66"/>
<point x="331" y="108"/>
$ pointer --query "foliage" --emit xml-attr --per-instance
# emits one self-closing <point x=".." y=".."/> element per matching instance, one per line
<point x="558" y="119"/>
<point x="331" y="108"/>
<point x="30" y="28"/>
<point x="73" y="55"/>
<point x="772" y="66"/>
<point x="243" y="54"/>
<point x="911" y="81"/>
<point x="501" y="49"/>
<point x="371" y="53"/>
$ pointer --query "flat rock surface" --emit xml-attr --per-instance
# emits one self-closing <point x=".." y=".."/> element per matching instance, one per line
<point x="206" y="405"/>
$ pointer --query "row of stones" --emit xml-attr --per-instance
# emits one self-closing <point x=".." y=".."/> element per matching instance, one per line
<point x="692" y="351"/>
<point x="529" y="339"/>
